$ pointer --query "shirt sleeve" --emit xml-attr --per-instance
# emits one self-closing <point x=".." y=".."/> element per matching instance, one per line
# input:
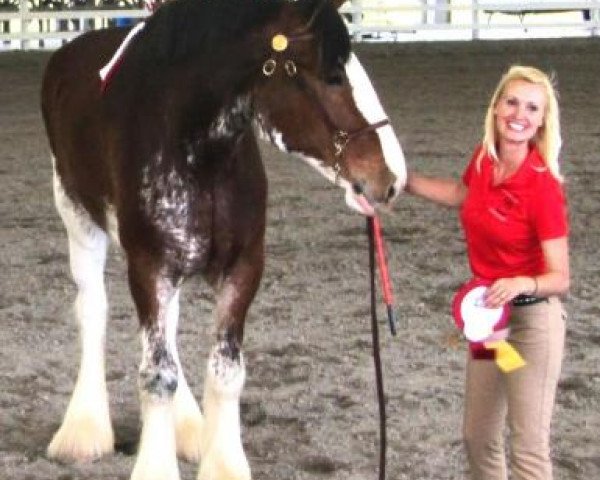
<point x="550" y="210"/>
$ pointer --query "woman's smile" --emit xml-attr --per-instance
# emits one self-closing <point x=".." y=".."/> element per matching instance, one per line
<point x="520" y="111"/>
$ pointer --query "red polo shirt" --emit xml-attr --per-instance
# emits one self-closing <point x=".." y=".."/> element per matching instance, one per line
<point x="504" y="224"/>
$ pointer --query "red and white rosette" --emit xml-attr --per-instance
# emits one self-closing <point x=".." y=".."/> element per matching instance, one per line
<point x="479" y="323"/>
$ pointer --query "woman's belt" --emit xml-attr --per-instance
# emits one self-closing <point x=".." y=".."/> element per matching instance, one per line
<point x="524" y="300"/>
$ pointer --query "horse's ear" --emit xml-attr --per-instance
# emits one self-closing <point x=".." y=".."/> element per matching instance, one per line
<point x="338" y="3"/>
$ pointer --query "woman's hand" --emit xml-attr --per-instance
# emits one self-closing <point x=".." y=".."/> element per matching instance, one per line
<point x="504" y="290"/>
<point x="445" y="191"/>
<point x="555" y="281"/>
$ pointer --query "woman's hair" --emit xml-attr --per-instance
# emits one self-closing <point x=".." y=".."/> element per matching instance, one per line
<point x="547" y="139"/>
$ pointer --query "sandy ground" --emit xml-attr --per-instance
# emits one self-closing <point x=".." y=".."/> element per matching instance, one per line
<point x="309" y="407"/>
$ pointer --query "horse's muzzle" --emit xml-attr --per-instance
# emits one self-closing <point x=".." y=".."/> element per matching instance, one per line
<point x="383" y="191"/>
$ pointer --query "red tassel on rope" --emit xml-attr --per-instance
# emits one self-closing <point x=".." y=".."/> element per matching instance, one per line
<point x="386" y="284"/>
<point x="374" y="225"/>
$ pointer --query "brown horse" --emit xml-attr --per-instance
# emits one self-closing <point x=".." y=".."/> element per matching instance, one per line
<point x="163" y="158"/>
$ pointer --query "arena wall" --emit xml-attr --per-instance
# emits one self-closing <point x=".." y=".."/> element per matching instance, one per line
<point x="26" y="24"/>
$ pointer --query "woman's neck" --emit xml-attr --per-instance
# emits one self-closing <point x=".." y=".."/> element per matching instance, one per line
<point x="510" y="157"/>
<point x="511" y="154"/>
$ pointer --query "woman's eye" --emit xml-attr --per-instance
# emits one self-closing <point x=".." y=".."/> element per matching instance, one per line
<point x="511" y="101"/>
<point x="532" y="108"/>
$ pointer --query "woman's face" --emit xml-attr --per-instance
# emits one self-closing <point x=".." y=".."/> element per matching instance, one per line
<point x="520" y="111"/>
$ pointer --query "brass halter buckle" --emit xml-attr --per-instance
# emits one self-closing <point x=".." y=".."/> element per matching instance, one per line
<point x="337" y="171"/>
<point x="279" y="42"/>
<point x="340" y="140"/>
<point x="269" y="67"/>
<point x="290" y="68"/>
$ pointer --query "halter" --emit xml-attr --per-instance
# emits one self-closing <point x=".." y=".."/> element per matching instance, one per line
<point x="340" y="138"/>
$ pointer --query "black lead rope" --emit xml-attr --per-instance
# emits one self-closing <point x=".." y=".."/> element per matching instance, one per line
<point x="376" y="354"/>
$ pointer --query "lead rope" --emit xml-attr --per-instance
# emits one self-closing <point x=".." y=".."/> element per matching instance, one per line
<point x="376" y="242"/>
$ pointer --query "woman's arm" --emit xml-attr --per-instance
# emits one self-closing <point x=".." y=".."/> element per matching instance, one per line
<point x="554" y="281"/>
<point x="444" y="191"/>
<point x="557" y="278"/>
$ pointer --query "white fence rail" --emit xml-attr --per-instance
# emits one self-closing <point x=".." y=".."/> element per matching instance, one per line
<point x="472" y="19"/>
<point x="48" y="23"/>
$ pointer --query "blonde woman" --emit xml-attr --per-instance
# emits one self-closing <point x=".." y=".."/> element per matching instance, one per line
<point x="513" y="212"/>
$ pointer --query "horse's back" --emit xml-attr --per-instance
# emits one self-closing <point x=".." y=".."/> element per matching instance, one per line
<point x="71" y="107"/>
<point x="75" y="66"/>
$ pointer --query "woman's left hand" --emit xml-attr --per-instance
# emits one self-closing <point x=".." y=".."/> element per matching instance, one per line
<point x="503" y="291"/>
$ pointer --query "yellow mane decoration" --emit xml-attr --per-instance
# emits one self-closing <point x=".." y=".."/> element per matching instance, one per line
<point x="279" y="42"/>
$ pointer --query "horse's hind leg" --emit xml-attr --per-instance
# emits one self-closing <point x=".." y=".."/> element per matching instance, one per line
<point x="86" y="431"/>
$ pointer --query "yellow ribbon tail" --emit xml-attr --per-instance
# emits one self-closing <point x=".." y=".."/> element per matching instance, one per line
<point x="507" y="358"/>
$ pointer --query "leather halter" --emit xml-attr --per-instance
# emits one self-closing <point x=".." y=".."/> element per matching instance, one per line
<point x="340" y="138"/>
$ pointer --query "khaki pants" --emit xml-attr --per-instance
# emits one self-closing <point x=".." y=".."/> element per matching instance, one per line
<point x="524" y="398"/>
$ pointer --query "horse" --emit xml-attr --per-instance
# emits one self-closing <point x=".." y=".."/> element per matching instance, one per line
<point x="162" y="158"/>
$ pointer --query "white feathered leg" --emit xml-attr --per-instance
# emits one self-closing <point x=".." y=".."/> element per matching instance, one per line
<point x="188" y="418"/>
<point x="86" y="432"/>
<point x="223" y="456"/>
<point x="158" y="382"/>
<point x="156" y="459"/>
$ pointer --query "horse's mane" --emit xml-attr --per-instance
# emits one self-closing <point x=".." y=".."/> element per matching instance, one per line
<point x="335" y="41"/>
<point x="205" y="55"/>
<point x="184" y="29"/>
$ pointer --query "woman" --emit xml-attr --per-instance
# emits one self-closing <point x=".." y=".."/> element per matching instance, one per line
<point x="513" y="213"/>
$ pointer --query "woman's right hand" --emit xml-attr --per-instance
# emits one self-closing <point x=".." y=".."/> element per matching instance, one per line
<point x="445" y="191"/>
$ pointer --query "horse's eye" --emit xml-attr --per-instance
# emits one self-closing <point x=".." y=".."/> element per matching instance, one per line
<point x="336" y="76"/>
<point x="335" y="79"/>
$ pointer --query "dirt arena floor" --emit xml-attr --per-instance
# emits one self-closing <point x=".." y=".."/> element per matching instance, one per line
<point x="309" y="407"/>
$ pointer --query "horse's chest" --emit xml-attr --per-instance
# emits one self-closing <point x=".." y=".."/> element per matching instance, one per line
<point x="179" y="215"/>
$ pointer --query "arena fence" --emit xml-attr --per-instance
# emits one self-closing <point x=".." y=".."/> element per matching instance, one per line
<point x="28" y="24"/>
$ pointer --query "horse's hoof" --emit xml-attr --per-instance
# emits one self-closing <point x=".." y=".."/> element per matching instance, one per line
<point x="188" y="436"/>
<point x="189" y="424"/>
<point x="222" y="468"/>
<point x="224" y="476"/>
<point x="154" y="473"/>
<point x="156" y="465"/>
<point x="81" y="441"/>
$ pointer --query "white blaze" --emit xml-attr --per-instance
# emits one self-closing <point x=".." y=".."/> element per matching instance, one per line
<point x="369" y="105"/>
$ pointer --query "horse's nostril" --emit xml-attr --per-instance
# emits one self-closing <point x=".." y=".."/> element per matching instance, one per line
<point x="358" y="188"/>
<point x="391" y="193"/>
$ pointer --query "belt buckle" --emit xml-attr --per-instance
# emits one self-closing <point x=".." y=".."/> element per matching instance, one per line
<point x="524" y="300"/>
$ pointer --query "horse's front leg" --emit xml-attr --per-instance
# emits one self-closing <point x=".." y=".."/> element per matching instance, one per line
<point x="86" y="432"/>
<point x="153" y="293"/>
<point x="222" y="453"/>
<point x="188" y="419"/>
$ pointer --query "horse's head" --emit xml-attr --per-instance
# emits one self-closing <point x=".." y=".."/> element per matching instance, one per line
<point x="316" y="100"/>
